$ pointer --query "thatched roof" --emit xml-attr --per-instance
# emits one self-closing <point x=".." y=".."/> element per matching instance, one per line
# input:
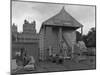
<point x="63" y="18"/>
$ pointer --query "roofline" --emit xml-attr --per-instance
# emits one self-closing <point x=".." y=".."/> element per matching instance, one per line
<point x="41" y="28"/>
<point x="59" y="26"/>
<point x="63" y="9"/>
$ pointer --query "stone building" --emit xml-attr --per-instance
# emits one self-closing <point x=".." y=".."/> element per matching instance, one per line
<point x="27" y="39"/>
<point x="58" y="35"/>
<point x="29" y="27"/>
<point x="29" y="32"/>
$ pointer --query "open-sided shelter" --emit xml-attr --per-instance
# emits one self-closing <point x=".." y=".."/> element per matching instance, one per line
<point x="58" y="35"/>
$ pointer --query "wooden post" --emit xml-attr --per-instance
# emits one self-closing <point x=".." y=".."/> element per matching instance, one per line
<point x="81" y="30"/>
<point x="60" y="34"/>
<point x="60" y="39"/>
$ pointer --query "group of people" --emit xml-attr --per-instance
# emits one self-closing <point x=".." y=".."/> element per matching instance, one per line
<point x="24" y="60"/>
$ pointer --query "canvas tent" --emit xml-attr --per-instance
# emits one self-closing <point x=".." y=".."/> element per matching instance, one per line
<point x="58" y="32"/>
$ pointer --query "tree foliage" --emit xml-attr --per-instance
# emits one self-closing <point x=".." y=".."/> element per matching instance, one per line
<point x="89" y="39"/>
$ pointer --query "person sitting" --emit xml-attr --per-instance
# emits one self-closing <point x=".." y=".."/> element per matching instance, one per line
<point x="25" y="60"/>
<point x="30" y="63"/>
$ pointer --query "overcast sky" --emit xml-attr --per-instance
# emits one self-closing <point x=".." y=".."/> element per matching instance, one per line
<point x="42" y="11"/>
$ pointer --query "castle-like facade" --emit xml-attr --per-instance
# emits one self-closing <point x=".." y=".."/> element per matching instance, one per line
<point x="29" y="32"/>
<point x="27" y="39"/>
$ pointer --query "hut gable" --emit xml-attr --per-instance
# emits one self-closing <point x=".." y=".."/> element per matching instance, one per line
<point x="63" y="18"/>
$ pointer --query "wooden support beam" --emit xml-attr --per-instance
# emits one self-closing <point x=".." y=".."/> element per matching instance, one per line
<point x="81" y="30"/>
<point x="60" y="34"/>
<point x="60" y="39"/>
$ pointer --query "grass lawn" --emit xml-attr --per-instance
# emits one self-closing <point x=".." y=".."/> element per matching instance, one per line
<point x="68" y="65"/>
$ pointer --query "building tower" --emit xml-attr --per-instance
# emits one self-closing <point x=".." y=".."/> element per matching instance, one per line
<point x="14" y="28"/>
<point x="29" y="27"/>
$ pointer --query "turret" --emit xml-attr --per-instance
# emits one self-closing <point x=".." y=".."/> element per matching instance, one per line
<point x="29" y="27"/>
<point x="26" y="22"/>
<point x="14" y="28"/>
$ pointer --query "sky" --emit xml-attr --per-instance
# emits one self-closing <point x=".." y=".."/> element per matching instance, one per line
<point x="42" y="11"/>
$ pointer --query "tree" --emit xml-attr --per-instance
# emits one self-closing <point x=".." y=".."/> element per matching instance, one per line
<point x="84" y="38"/>
<point x="91" y="37"/>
